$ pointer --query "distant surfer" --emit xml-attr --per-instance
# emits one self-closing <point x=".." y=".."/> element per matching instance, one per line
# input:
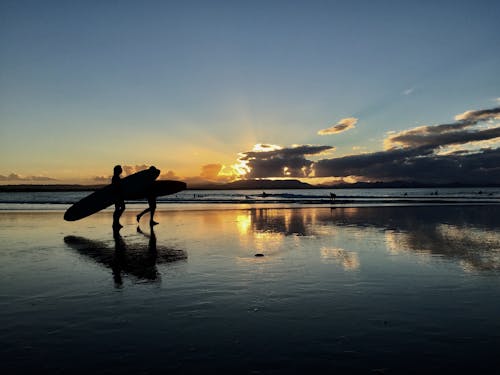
<point x="116" y="182"/>
<point x="333" y="196"/>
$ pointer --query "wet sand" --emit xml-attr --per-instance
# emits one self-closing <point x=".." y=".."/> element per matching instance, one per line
<point x="354" y="290"/>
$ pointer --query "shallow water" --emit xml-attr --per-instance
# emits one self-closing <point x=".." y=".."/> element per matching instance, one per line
<point x="357" y="290"/>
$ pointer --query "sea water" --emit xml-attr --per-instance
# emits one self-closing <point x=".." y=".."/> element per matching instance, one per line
<point x="201" y="198"/>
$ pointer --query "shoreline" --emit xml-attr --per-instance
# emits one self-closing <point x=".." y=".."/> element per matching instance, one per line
<point x="215" y="206"/>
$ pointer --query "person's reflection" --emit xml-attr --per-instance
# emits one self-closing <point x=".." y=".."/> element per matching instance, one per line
<point x="119" y="258"/>
<point x="152" y="240"/>
<point x="132" y="258"/>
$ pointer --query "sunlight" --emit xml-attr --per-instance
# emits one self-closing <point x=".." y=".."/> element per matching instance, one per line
<point x="241" y="168"/>
<point x="244" y="222"/>
<point x="261" y="147"/>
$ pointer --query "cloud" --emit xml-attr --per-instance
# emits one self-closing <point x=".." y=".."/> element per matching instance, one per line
<point x="441" y="153"/>
<point x="414" y="154"/>
<point x="14" y="177"/>
<point x="480" y="167"/>
<point x="481" y="115"/>
<point x="341" y="126"/>
<point x="283" y="162"/>
<point x="408" y="91"/>
<point x="210" y="171"/>
<point x="462" y="131"/>
<point x="131" y="169"/>
<point x="102" y="179"/>
<point x="169" y="175"/>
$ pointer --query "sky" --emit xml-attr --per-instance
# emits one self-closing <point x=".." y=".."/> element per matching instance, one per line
<point x="222" y="90"/>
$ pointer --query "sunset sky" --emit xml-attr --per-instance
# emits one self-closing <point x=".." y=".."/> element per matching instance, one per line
<point x="219" y="90"/>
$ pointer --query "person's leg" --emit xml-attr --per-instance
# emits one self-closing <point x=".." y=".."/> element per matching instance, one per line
<point x="119" y="208"/>
<point x="152" y="207"/>
<point x="142" y="213"/>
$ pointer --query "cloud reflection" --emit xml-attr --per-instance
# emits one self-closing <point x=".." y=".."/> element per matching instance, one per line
<point x="468" y="235"/>
<point x="348" y="259"/>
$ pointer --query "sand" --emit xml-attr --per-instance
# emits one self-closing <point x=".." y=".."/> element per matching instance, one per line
<point x="357" y="290"/>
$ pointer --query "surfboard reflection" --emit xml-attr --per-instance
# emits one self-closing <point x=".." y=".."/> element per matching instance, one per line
<point x="138" y="260"/>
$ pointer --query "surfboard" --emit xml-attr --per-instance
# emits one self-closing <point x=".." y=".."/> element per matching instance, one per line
<point x="160" y="188"/>
<point x="133" y="186"/>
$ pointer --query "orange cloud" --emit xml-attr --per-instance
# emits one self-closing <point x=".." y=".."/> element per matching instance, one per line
<point x="169" y="175"/>
<point x="210" y="171"/>
<point x="341" y="126"/>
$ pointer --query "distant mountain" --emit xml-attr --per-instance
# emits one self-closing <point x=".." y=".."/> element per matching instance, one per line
<point x="260" y="185"/>
<point x="28" y="188"/>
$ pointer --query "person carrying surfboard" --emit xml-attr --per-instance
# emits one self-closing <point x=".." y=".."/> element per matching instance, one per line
<point x="119" y="200"/>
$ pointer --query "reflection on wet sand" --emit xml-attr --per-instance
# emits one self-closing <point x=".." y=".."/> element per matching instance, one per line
<point x="469" y="235"/>
<point x="348" y="259"/>
<point x="287" y="222"/>
<point x="137" y="260"/>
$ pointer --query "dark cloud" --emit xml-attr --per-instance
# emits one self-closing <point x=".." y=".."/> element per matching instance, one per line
<point x="365" y="164"/>
<point x="414" y="154"/>
<point x="479" y="115"/>
<point x="284" y="162"/>
<point x="434" y="139"/>
<point x="14" y="177"/>
<point x="459" y="132"/>
<point x="478" y="167"/>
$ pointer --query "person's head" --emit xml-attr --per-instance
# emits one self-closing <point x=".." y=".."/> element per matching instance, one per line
<point x="117" y="170"/>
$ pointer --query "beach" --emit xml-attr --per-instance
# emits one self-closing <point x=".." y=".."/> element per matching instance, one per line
<point x="405" y="289"/>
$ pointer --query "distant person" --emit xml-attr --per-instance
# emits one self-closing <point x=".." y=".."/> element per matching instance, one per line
<point x="116" y="182"/>
<point x="333" y="196"/>
<point x="152" y="208"/>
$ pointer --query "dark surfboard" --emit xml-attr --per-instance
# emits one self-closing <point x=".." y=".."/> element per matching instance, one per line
<point x="133" y="187"/>
<point x="160" y="188"/>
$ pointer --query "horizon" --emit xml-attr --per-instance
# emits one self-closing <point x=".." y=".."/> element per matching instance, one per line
<point x="324" y="93"/>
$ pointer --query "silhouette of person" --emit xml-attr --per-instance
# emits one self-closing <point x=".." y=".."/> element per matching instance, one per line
<point x="119" y="259"/>
<point x="152" y="208"/>
<point x="119" y="200"/>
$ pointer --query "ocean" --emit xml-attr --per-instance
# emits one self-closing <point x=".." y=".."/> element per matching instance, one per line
<point x="252" y="198"/>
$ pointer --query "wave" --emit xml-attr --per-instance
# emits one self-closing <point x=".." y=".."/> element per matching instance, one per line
<point x="317" y="196"/>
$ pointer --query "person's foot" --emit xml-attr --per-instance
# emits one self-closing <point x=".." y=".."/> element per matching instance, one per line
<point x="138" y="217"/>
<point x="152" y="222"/>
